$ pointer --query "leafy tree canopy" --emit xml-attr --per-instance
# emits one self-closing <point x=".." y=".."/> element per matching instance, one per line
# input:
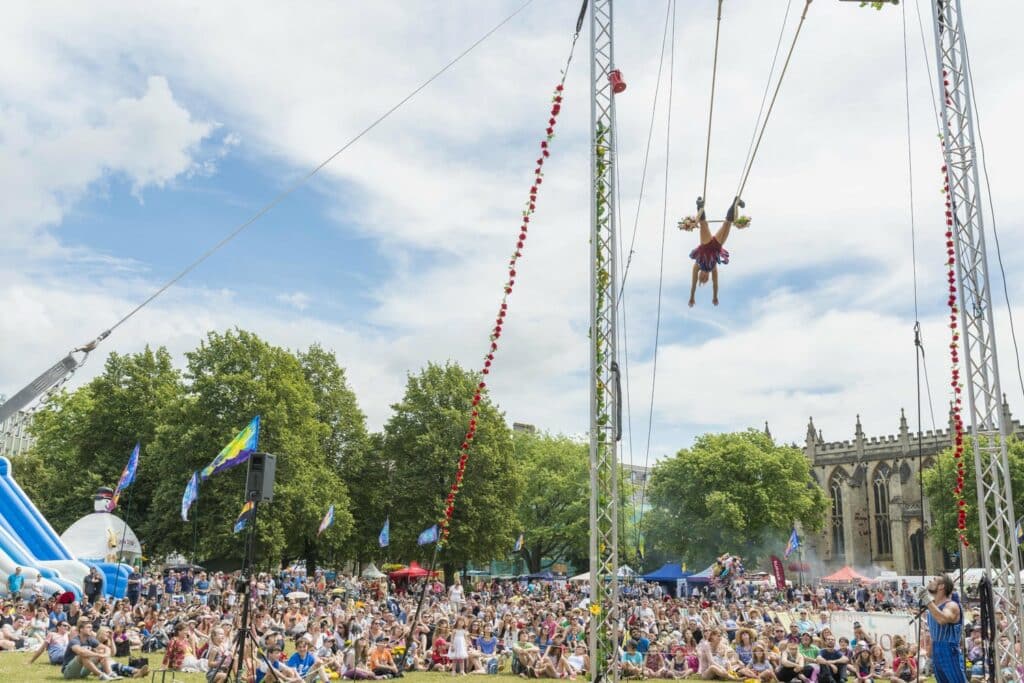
<point x="738" y="493"/>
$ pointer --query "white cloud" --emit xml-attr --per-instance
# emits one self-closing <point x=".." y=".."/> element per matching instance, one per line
<point x="49" y="159"/>
<point x="297" y="300"/>
<point x="825" y="268"/>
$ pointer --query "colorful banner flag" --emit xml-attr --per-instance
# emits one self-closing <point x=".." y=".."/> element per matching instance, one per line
<point x="1019" y="530"/>
<point x="327" y="521"/>
<point x="519" y="544"/>
<point x="237" y="451"/>
<point x="384" y="538"/>
<point x="244" y="516"/>
<point x="427" y="536"/>
<point x="794" y="543"/>
<point x="190" y="496"/>
<point x="127" y="477"/>
<point x="779" y="573"/>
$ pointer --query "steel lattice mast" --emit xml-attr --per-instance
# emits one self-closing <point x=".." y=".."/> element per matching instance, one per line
<point x="989" y="430"/>
<point x="604" y="398"/>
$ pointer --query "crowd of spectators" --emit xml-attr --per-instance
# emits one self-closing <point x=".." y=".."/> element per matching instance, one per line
<point x="325" y="627"/>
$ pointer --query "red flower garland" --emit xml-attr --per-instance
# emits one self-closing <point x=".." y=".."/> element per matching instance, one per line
<point x="954" y="353"/>
<point x="955" y="384"/>
<point x="499" y="322"/>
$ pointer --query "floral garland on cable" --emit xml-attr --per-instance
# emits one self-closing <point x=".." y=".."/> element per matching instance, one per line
<point x="956" y="411"/>
<point x="499" y="322"/>
<point x="955" y="383"/>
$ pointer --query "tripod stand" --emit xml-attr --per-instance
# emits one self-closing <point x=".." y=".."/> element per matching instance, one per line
<point x="243" y="586"/>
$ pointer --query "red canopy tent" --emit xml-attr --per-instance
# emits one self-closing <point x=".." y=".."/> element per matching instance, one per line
<point x="413" y="571"/>
<point x="845" y="575"/>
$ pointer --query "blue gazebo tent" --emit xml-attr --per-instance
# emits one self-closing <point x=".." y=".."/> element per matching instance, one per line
<point x="669" y="572"/>
<point x="672" y="574"/>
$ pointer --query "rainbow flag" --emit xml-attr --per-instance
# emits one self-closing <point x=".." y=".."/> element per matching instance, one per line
<point x="127" y="477"/>
<point x="328" y="520"/>
<point x="244" y="516"/>
<point x="794" y="543"/>
<point x="190" y="496"/>
<point x="236" y="452"/>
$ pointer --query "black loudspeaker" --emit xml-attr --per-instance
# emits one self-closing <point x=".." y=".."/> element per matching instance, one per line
<point x="259" y="481"/>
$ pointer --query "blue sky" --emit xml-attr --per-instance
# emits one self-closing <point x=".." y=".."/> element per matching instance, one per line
<point x="131" y="140"/>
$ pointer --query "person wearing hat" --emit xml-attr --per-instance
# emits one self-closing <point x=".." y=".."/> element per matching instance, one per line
<point x="271" y="668"/>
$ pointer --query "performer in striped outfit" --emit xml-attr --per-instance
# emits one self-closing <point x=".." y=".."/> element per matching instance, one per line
<point x="945" y="623"/>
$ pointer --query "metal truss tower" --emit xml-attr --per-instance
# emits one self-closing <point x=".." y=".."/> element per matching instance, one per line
<point x="989" y="431"/>
<point x="605" y="415"/>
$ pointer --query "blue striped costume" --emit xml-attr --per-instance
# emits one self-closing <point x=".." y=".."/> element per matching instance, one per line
<point x="947" y="657"/>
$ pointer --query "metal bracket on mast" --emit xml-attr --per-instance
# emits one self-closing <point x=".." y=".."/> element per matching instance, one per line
<point x="988" y="428"/>
<point x="603" y="635"/>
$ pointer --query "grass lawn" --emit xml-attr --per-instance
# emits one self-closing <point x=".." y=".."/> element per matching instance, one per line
<point x="14" y="668"/>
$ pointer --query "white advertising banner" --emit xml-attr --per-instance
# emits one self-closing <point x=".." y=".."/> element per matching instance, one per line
<point x="880" y="626"/>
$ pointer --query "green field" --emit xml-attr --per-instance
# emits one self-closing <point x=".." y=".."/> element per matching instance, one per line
<point x="14" y="668"/>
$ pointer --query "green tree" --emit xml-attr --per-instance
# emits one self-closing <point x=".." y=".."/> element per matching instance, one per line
<point x="554" y="512"/>
<point x="420" y="447"/>
<point x="730" y="493"/>
<point x="940" y="479"/>
<point x="232" y="377"/>
<point x="84" y="438"/>
<point x="346" y="445"/>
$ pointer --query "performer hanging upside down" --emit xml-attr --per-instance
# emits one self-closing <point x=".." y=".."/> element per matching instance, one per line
<point x="711" y="250"/>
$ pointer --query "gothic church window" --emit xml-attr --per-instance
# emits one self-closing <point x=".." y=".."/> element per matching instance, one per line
<point x="917" y="551"/>
<point x="838" y="538"/>
<point x="883" y="531"/>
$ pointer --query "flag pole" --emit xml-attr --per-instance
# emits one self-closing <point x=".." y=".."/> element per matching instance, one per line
<point x="120" y="551"/>
<point x="195" y="529"/>
<point x="800" y="559"/>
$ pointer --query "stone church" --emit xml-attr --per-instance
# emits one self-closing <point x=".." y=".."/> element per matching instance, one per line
<point x="876" y="505"/>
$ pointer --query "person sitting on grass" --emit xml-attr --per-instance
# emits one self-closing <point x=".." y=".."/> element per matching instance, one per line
<point x="632" y="664"/>
<point x="657" y="665"/>
<point x="55" y="644"/>
<point x="108" y="648"/>
<point x="277" y="671"/>
<point x="712" y="656"/>
<point x="792" y="665"/>
<point x="526" y="654"/>
<point x="381" y="662"/>
<point x="84" y="656"/>
<point x="760" y="665"/>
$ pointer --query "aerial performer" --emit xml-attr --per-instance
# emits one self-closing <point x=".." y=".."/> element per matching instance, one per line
<point x="711" y="250"/>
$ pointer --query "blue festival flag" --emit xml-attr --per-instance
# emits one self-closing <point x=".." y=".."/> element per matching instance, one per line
<point x="519" y="544"/>
<point x="244" y="516"/>
<point x="327" y="521"/>
<point x="191" y="495"/>
<point x="427" y="536"/>
<point x="1019" y="531"/>
<point x="237" y="451"/>
<point x="127" y="477"/>
<point x="794" y="543"/>
<point x="384" y="538"/>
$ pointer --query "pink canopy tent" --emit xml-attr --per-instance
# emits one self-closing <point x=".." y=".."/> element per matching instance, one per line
<point x="845" y="575"/>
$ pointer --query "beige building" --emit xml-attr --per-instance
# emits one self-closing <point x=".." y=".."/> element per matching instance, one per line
<point x="14" y="436"/>
<point x="873" y="486"/>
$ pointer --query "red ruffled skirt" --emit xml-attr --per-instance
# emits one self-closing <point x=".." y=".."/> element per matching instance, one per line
<point x="710" y="255"/>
